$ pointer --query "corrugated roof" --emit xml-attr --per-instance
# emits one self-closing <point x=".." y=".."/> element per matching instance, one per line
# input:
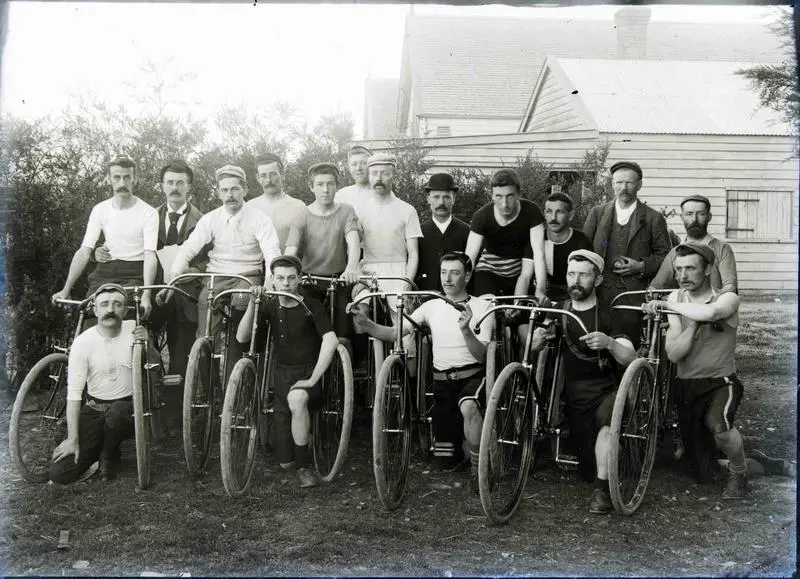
<point x="380" y="103"/>
<point x="673" y="97"/>
<point x="487" y="67"/>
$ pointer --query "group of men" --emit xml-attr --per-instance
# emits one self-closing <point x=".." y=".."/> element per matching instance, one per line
<point x="510" y="247"/>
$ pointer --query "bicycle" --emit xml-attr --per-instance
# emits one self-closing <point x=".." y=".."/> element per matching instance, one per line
<point x="643" y="412"/>
<point x="332" y="422"/>
<point x="207" y="366"/>
<point x="394" y="412"/>
<point x="512" y="425"/>
<point x="38" y="422"/>
<point x="246" y="409"/>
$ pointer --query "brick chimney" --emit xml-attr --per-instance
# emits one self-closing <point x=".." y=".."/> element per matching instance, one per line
<point x="631" y="27"/>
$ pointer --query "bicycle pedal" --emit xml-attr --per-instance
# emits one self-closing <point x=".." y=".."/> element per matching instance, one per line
<point x="172" y="380"/>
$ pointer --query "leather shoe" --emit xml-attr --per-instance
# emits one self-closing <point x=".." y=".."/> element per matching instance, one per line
<point x="600" y="503"/>
<point x="308" y="478"/>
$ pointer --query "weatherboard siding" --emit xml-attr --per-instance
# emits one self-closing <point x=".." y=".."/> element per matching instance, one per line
<point x="553" y="110"/>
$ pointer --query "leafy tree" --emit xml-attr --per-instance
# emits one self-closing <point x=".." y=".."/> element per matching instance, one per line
<point x="777" y="84"/>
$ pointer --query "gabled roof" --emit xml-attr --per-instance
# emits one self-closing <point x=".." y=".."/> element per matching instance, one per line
<point x="487" y="67"/>
<point x="666" y="97"/>
<point x="380" y="108"/>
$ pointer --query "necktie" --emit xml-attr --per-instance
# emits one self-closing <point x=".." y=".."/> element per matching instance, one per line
<point x="172" y="232"/>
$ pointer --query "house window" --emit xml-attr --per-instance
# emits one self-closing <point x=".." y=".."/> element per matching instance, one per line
<point x="443" y="131"/>
<point x="759" y="215"/>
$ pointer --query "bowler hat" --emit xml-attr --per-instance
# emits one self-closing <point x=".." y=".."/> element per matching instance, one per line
<point x="627" y="165"/>
<point x="441" y="182"/>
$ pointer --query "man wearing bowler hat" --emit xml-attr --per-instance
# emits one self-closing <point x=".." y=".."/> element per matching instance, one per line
<point x="631" y="237"/>
<point x="442" y="233"/>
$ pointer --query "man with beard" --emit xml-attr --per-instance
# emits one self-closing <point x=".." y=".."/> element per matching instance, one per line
<point x="130" y="228"/>
<point x="286" y="213"/>
<point x="354" y="194"/>
<point x="696" y="215"/>
<point x="442" y="233"/>
<point x="593" y="366"/>
<point x="560" y="241"/>
<point x="242" y="240"/>
<point x="632" y="239"/>
<point x="100" y="363"/>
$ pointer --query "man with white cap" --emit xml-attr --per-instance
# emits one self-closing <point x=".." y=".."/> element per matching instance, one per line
<point x="390" y="228"/>
<point x="593" y="366"/>
<point x="242" y="241"/>
<point x="360" y="190"/>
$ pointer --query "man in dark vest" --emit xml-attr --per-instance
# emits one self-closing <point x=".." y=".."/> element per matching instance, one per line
<point x="633" y="240"/>
<point x="442" y="233"/>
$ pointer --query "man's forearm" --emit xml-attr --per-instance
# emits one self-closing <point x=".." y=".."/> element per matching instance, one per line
<point x="412" y="263"/>
<point x="474" y="345"/>
<point x="679" y="347"/>
<point x="150" y="267"/>
<point x="540" y="269"/>
<point x="79" y="262"/>
<point x="73" y="420"/>
<point x="326" y="353"/>
<point x="353" y="250"/>
<point x="622" y="353"/>
<point x="383" y="333"/>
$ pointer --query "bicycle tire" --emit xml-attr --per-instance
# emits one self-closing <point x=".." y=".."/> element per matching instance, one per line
<point x="141" y="413"/>
<point x="238" y="428"/>
<point x="331" y="433"/>
<point x="424" y="398"/>
<point x="266" y="396"/>
<point x="633" y="437"/>
<point x="391" y="432"/>
<point x="34" y="435"/>
<point x="199" y="402"/>
<point x="508" y="428"/>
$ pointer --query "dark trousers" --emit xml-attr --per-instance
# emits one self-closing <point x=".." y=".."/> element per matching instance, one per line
<point x="284" y="378"/>
<point x="100" y="432"/>
<point x="448" y="424"/>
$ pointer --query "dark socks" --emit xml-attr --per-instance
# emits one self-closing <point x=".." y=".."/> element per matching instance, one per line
<point x="602" y="485"/>
<point x="302" y="455"/>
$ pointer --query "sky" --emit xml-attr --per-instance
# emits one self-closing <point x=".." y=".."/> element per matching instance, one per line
<point x="316" y="57"/>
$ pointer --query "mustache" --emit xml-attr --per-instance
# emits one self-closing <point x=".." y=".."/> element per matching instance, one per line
<point x="111" y="316"/>
<point x="379" y="184"/>
<point x="123" y="188"/>
<point x="552" y="222"/>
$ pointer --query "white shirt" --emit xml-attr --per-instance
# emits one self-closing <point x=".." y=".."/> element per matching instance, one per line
<point x="354" y="195"/>
<point x="182" y="211"/>
<point x="624" y="215"/>
<point x="128" y="232"/>
<point x="443" y="226"/>
<point x="288" y="216"/>
<point x="447" y="342"/>
<point x="241" y="242"/>
<point x="103" y="363"/>
<point x="385" y="228"/>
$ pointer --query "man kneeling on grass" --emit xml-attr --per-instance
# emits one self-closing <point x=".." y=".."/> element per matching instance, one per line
<point x="303" y="347"/>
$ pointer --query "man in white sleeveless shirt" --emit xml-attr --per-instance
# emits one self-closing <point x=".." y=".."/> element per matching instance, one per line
<point x="100" y="362"/>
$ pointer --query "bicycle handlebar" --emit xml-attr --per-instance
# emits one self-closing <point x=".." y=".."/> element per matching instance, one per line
<point x="136" y="288"/>
<point x="324" y="278"/>
<point x="508" y="298"/>
<point x="79" y="303"/>
<point x="532" y="309"/>
<point x="429" y="293"/>
<point x="640" y="293"/>
<point x="388" y="278"/>
<point x="266" y="292"/>
<point x="664" y="309"/>
<point x="197" y="275"/>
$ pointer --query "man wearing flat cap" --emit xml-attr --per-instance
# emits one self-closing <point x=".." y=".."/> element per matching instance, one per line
<point x="593" y="366"/>
<point x="442" y="233"/>
<point x="331" y="242"/>
<point x="240" y="240"/>
<point x="701" y="341"/>
<point x="631" y="237"/>
<point x="286" y="213"/>
<point x="360" y="190"/>
<point x="696" y="215"/>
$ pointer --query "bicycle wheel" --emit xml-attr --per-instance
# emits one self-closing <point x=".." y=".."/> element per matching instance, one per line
<point x="424" y="397"/>
<point x="391" y="432"/>
<point x="633" y="437"/>
<point x="239" y="427"/>
<point x="199" y="405"/>
<point x="141" y="415"/>
<point x="506" y="449"/>
<point x="331" y="431"/>
<point x="266" y="398"/>
<point x="375" y="356"/>
<point x="38" y="420"/>
<point x="494" y="364"/>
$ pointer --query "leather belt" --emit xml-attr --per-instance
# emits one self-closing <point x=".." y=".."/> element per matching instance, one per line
<point x="454" y="374"/>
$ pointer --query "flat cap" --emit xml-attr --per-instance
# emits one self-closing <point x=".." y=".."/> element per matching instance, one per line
<point x="109" y="287"/>
<point x="382" y="159"/>
<point x="441" y="182"/>
<point x="358" y="150"/>
<point x="324" y="167"/>
<point x="230" y="171"/>
<point x="285" y="260"/>
<point x="626" y="165"/>
<point x="698" y="248"/>
<point x="699" y="198"/>
<point x="590" y="256"/>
